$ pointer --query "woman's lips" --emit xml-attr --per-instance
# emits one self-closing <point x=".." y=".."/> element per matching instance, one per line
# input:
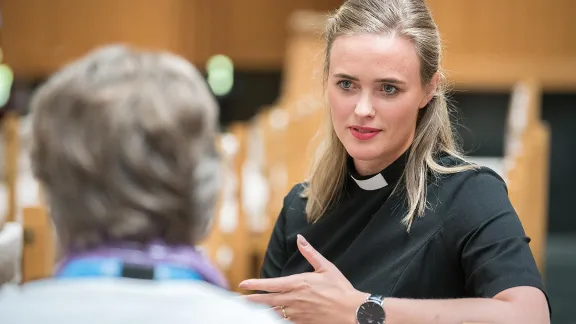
<point x="364" y="133"/>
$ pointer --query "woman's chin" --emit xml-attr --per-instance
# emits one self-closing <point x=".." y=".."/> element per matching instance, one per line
<point x="364" y="154"/>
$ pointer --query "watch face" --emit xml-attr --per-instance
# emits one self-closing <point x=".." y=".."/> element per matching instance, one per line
<point x="370" y="313"/>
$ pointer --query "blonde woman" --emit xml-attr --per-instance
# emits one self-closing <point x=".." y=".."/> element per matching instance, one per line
<point x="394" y="226"/>
<point x="123" y="144"/>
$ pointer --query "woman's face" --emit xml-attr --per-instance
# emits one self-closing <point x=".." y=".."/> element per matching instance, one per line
<point x="375" y="92"/>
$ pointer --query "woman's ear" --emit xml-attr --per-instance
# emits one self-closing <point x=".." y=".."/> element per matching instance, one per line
<point x="431" y="88"/>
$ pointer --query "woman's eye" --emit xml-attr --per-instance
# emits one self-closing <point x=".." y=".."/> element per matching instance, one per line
<point x="345" y="84"/>
<point x="389" y="89"/>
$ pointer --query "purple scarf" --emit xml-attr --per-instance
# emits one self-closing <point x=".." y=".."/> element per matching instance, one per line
<point x="152" y="254"/>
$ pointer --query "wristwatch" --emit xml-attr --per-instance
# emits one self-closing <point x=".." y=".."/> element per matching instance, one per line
<point x="371" y="311"/>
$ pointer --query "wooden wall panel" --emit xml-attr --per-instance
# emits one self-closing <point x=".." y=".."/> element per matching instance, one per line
<point x="39" y="36"/>
<point x="250" y="35"/>
<point x="253" y="33"/>
<point x="493" y="44"/>
<point x="487" y="43"/>
<point x="531" y="28"/>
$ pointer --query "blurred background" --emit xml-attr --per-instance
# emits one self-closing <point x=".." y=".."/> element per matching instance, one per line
<point x="511" y="63"/>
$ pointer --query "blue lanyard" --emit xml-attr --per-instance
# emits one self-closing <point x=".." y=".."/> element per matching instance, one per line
<point x="116" y="268"/>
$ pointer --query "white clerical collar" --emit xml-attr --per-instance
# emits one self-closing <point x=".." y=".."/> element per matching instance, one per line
<point x="389" y="176"/>
<point x="373" y="183"/>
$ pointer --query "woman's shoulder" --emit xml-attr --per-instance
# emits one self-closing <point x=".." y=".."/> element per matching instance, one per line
<point x="296" y="191"/>
<point x="295" y="201"/>
<point x="470" y="176"/>
<point x="471" y="196"/>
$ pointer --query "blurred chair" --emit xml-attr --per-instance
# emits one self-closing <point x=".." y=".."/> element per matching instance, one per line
<point x="284" y="132"/>
<point x="526" y="164"/>
<point x="11" y="240"/>
<point x="228" y="242"/>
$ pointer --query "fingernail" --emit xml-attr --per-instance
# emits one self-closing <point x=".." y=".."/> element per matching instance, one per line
<point x="301" y="240"/>
<point x="244" y="284"/>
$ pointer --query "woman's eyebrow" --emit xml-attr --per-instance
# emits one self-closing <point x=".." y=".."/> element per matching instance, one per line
<point x="390" y="80"/>
<point x="379" y="80"/>
<point x="346" y="76"/>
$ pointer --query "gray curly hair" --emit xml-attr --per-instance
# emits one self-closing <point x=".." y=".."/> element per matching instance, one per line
<point x="123" y="143"/>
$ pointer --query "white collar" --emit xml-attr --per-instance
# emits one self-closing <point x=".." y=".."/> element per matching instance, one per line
<point x="373" y="183"/>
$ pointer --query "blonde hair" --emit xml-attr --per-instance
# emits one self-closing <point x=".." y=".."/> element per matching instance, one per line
<point x="123" y="142"/>
<point x="434" y="134"/>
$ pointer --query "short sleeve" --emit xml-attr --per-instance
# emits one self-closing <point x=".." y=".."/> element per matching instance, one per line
<point x="488" y="237"/>
<point x="276" y="255"/>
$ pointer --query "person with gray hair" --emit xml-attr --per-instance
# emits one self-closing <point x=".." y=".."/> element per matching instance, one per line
<point x="124" y="146"/>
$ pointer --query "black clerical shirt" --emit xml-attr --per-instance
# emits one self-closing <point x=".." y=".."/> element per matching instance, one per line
<point x="468" y="243"/>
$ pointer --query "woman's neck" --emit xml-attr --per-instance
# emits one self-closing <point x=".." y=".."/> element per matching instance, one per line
<point x="370" y="167"/>
<point x="366" y="168"/>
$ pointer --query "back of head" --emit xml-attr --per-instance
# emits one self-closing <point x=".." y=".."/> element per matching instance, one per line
<point x="123" y="143"/>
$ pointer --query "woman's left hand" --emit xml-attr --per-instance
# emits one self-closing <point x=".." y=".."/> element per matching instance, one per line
<point x="322" y="296"/>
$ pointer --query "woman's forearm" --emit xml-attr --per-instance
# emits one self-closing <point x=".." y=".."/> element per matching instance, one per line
<point x="449" y="311"/>
<point x="523" y="305"/>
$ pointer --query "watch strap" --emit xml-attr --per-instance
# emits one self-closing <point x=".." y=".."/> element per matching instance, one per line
<point x="376" y="298"/>
<point x="372" y="299"/>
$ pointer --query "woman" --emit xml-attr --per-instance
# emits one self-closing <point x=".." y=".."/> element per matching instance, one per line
<point x="393" y="225"/>
<point x="123" y="143"/>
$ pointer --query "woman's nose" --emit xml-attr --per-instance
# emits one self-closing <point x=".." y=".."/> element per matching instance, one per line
<point x="364" y="107"/>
